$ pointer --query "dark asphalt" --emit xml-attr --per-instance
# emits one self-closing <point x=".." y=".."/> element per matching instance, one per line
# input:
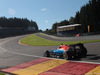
<point x="12" y="53"/>
<point x="54" y="38"/>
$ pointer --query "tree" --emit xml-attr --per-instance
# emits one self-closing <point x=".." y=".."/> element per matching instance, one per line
<point x="89" y="14"/>
<point x="33" y="24"/>
<point x="54" y="27"/>
<point x="77" y="18"/>
<point x="64" y="22"/>
<point x="16" y="23"/>
<point x="71" y="20"/>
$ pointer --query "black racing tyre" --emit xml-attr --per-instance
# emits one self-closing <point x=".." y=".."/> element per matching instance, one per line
<point x="60" y="56"/>
<point x="67" y="55"/>
<point x="78" y="51"/>
<point x="46" y="53"/>
<point x="81" y="51"/>
<point x="84" y="51"/>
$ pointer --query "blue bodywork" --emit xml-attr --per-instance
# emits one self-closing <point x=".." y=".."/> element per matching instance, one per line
<point x="57" y="52"/>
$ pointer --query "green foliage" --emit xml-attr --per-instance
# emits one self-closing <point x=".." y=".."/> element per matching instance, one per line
<point x="40" y="30"/>
<point x="2" y="73"/>
<point x="64" y="22"/>
<point x="33" y="24"/>
<point x="6" y="23"/>
<point x="71" y="20"/>
<point x="50" y="32"/>
<point x="54" y="27"/>
<point x="89" y="14"/>
<point x="16" y="26"/>
<point x="77" y="18"/>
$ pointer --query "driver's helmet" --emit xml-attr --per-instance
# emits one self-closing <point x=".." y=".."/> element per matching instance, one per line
<point x="61" y="45"/>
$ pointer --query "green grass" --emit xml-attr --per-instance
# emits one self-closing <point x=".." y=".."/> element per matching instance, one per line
<point x="2" y="73"/>
<point x="34" y="40"/>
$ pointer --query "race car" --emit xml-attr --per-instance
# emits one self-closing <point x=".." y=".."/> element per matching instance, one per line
<point x="67" y="51"/>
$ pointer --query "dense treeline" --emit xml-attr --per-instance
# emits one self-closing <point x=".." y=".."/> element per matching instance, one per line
<point x="16" y="23"/>
<point x="89" y="14"/>
<point x="16" y="26"/>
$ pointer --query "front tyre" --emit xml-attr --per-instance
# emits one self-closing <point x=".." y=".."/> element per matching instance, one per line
<point x="46" y="53"/>
<point x="67" y="55"/>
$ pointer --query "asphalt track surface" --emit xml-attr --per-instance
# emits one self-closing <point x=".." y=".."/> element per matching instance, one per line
<point x="12" y="53"/>
<point x="81" y="38"/>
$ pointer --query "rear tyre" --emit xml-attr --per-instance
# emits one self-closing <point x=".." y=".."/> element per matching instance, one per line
<point x="84" y="51"/>
<point x="78" y="51"/>
<point x="81" y="51"/>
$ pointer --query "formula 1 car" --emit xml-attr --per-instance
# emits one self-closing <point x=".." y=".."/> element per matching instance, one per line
<point x="67" y="51"/>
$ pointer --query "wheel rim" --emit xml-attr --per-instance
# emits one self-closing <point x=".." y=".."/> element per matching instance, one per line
<point x="65" y="56"/>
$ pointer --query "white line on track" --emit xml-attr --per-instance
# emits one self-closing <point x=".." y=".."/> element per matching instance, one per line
<point x="5" y="50"/>
<point x="24" y="54"/>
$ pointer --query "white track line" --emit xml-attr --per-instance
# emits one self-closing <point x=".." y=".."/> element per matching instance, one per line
<point x="5" y="50"/>
<point x="25" y="54"/>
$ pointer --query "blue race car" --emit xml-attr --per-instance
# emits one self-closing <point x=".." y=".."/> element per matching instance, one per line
<point x="67" y="51"/>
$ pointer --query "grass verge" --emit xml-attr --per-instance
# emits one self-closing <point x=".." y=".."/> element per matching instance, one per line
<point x="34" y="40"/>
<point x="2" y="73"/>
